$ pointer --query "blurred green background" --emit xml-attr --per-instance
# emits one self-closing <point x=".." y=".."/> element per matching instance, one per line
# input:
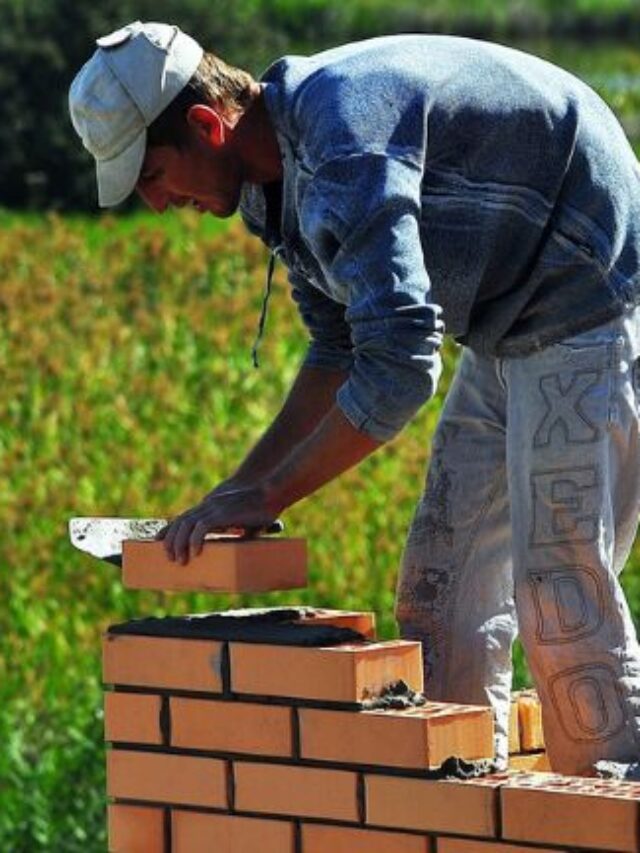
<point x="127" y="384"/>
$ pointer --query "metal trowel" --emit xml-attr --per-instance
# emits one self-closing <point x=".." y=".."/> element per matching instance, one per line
<point x="103" y="537"/>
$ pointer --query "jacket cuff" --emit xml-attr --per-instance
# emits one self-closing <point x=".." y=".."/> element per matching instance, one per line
<point x="364" y="421"/>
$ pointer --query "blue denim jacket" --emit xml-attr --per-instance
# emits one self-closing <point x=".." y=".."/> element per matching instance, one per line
<point x="436" y="182"/>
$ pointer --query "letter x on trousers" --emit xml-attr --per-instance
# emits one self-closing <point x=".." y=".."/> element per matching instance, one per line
<point x="528" y="515"/>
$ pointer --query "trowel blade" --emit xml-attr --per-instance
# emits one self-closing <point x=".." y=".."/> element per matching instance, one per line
<point x="103" y="537"/>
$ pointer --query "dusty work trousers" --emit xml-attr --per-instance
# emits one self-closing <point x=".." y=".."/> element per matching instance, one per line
<point x="528" y="515"/>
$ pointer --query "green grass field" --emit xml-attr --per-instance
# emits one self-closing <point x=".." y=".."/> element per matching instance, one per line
<point x="490" y="18"/>
<point x="128" y="389"/>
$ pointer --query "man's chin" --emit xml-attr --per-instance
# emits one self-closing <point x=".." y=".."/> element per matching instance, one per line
<point x="214" y="208"/>
<point x="226" y="207"/>
<point x="223" y="214"/>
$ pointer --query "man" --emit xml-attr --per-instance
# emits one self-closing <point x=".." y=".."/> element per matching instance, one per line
<point x="413" y="184"/>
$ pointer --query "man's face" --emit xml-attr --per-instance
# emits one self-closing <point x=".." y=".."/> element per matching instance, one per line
<point x="197" y="175"/>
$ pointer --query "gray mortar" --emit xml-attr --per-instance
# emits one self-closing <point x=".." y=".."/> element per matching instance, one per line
<point x="271" y="625"/>
<point x="618" y="770"/>
<point x="397" y="695"/>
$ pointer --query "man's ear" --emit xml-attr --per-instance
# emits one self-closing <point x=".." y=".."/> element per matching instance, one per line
<point x="207" y="124"/>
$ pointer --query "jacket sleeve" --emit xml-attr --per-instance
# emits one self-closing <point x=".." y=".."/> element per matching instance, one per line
<point x="361" y="218"/>
<point x="330" y="345"/>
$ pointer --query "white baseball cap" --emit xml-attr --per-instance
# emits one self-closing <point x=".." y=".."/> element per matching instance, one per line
<point x="131" y="78"/>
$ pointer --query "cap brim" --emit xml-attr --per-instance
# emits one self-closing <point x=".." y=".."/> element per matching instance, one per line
<point x="118" y="176"/>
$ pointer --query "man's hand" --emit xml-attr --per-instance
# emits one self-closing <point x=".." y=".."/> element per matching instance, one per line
<point x="333" y="447"/>
<point x="228" y="508"/>
<point x="308" y="444"/>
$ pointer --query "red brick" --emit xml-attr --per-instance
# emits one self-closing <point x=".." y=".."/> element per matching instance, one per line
<point x="362" y="622"/>
<point x="531" y="762"/>
<point x="345" y="673"/>
<point x="231" y="727"/>
<point x="460" y="845"/>
<point x="457" y="807"/>
<point x="135" y="829"/>
<point x="415" y="738"/>
<point x="341" y="839"/>
<point x="514" y="726"/>
<point x="254" y="565"/>
<point x="163" y="778"/>
<point x="163" y="662"/>
<point x="296" y="791"/>
<point x="205" y="833"/>
<point x="132" y="718"/>
<point x="547" y="808"/>
<point x="530" y="721"/>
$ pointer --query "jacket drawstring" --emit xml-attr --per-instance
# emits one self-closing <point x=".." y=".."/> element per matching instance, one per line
<point x="277" y="250"/>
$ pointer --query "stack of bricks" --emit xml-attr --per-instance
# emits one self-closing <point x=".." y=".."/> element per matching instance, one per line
<point x="233" y="742"/>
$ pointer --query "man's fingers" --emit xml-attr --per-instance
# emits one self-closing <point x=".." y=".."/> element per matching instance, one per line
<point x="197" y="538"/>
<point x="169" y="534"/>
<point x="181" y="541"/>
<point x="163" y="532"/>
<point x="250" y="532"/>
<point x="169" y="537"/>
<point x="184" y="536"/>
<point x="174" y="536"/>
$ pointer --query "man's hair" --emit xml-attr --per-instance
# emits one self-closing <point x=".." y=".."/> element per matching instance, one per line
<point x="214" y="82"/>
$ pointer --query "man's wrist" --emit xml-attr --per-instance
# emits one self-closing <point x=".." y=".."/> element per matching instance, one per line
<point x="274" y="497"/>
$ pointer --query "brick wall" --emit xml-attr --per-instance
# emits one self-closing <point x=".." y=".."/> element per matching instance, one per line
<point x="233" y="746"/>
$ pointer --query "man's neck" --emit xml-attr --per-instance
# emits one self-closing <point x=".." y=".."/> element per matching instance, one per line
<point x="258" y="144"/>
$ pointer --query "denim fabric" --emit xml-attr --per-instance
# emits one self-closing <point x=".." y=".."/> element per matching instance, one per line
<point x="528" y="515"/>
<point x="434" y="179"/>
